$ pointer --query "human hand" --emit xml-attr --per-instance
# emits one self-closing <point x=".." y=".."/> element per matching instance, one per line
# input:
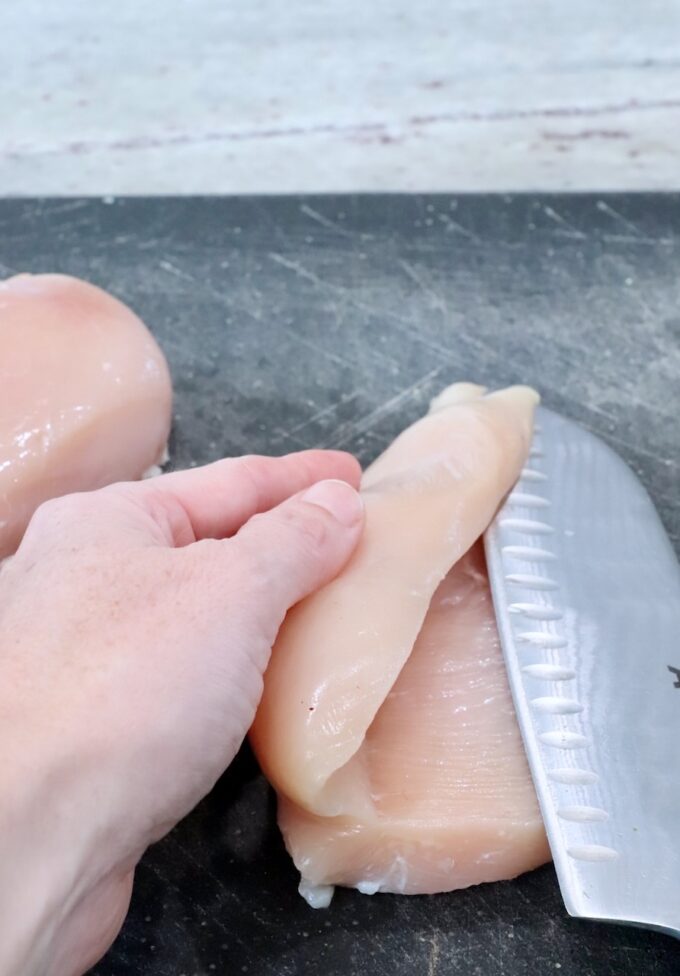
<point x="135" y="625"/>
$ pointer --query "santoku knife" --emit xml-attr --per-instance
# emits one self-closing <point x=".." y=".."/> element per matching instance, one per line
<point x="586" y="588"/>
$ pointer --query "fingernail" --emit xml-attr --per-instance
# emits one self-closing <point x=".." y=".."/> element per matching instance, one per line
<point x="338" y="498"/>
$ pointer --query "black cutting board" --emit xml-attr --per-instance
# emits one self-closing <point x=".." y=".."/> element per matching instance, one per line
<point x="298" y="322"/>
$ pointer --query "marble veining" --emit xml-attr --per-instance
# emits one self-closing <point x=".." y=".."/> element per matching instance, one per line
<point x="215" y="96"/>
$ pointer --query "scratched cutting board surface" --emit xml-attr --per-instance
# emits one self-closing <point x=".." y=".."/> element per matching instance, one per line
<point x="331" y="321"/>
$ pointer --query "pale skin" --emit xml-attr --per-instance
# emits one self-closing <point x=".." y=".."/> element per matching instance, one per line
<point x="135" y="626"/>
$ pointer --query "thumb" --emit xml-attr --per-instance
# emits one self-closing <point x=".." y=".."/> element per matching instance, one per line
<point x="241" y="588"/>
<point x="294" y="549"/>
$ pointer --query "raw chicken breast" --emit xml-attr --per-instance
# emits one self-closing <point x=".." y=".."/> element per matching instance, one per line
<point x="85" y="395"/>
<point x="386" y="724"/>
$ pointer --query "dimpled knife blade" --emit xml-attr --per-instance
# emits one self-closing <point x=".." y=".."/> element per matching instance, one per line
<point x="586" y="588"/>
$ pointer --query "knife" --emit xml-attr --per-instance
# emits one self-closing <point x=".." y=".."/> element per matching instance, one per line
<point x="586" y="589"/>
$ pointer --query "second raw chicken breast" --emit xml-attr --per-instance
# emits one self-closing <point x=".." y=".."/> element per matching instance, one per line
<point x="386" y="724"/>
<point x="85" y="395"/>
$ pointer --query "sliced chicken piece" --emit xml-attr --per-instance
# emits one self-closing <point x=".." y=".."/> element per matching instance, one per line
<point x="453" y="800"/>
<point x="386" y="724"/>
<point x="85" y="395"/>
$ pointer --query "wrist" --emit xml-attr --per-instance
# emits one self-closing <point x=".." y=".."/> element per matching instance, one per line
<point x="52" y="847"/>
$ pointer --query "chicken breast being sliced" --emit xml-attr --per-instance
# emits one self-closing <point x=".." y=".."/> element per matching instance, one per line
<point x="85" y="395"/>
<point x="386" y="724"/>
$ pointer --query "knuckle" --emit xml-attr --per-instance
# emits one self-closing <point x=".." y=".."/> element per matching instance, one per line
<point x="312" y="531"/>
<point x="55" y="510"/>
<point x="250" y="466"/>
<point x="300" y="536"/>
<point x="166" y="511"/>
<point x="250" y="470"/>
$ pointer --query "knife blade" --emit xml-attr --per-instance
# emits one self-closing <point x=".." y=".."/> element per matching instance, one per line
<point x="586" y="589"/>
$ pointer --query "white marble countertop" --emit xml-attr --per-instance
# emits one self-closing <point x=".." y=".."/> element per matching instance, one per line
<point x="217" y="96"/>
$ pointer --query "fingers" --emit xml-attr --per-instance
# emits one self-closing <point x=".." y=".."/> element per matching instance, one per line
<point x="176" y="509"/>
<point x="282" y="556"/>
<point x="218" y="499"/>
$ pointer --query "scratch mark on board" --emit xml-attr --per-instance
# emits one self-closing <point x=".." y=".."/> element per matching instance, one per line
<point x="320" y="350"/>
<point x="637" y="239"/>
<point x="453" y="226"/>
<point x="608" y="388"/>
<point x="604" y="207"/>
<point x="407" y="328"/>
<point x="568" y="229"/>
<point x="433" y="956"/>
<point x="324" y="221"/>
<point x="635" y="449"/>
<point x="69" y="206"/>
<point x="436" y="299"/>
<point x="300" y="270"/>
<point x="177" y="272"/>
<point x="366" y="423"/>
<point x="325" y="412"/>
